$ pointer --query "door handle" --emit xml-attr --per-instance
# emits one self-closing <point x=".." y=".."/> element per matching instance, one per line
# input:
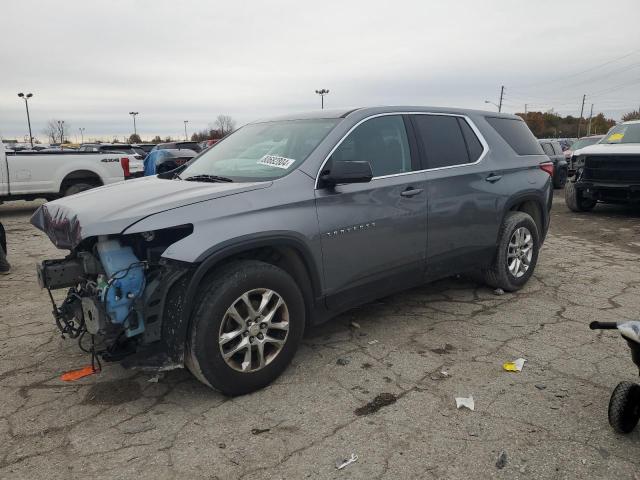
<point x="493" y="178"/>
<point x="410" y="192"/>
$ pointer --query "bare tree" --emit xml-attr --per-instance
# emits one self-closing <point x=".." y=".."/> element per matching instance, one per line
<point x="56" y="130"/>
<point x="225" y="124"/>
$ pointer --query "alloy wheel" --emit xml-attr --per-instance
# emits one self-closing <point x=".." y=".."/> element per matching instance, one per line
<point x="520" y="252"/>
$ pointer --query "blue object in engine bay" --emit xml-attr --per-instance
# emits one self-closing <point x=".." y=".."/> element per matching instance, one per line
<point x="125" y="284"/>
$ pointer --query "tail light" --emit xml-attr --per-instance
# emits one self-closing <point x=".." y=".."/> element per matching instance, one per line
<point x="547" y="167"/>
<point x="124" y="162"/>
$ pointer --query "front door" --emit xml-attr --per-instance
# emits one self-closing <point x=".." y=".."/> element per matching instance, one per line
<point x="374" y="234"/>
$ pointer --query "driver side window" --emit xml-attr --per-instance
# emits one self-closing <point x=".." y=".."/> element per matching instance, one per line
<point x="381" y="141"/>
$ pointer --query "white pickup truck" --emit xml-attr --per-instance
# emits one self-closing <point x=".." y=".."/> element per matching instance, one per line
<point x="27" y="175"/>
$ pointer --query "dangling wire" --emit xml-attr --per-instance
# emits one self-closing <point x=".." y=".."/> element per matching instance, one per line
<point x="95" y="359"/>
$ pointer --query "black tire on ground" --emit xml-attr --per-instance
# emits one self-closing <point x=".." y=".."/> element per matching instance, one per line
<point x="498" y="274"/>
<point x="560" y="178"/>
<point x="219" y="292"/>
<point x="77" y="188"/>
<point x="624" y="407"/>
<point x="575" y="201"/>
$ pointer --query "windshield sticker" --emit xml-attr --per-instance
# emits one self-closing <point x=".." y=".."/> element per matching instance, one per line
<point x="616" y="137"/>
<point x="277" y="162"/>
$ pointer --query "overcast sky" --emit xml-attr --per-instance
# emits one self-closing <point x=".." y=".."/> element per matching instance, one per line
<point x="91" y="62"/>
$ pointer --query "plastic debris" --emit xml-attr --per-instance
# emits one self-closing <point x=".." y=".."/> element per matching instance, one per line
<point x="540" y="386"/>
<point x="355" y="325"/>
<point x="444" y="374"/>
<point x="372" y="342"/>
<point x="630" y="330"/>
<point x="502" y="460"/>
<point x="156" y="378"/>
<point x="498" y="291"/>
<point x="78" y="374"/>
<point x="515" y="366"/>
<point x="345" y="462"/>
<point x="466" y="402"/>
<point x="258" y="431"/>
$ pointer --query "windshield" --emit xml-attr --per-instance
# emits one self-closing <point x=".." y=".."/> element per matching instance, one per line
<point x="625" y="133"/>
<point x="262" y="151"/>
<point x="584" y="142"/>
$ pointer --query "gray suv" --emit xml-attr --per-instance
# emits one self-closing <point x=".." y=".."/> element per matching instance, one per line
<point x="221" y="264"/>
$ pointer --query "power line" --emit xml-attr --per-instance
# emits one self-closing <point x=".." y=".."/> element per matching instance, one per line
<point x="583" y="71"/>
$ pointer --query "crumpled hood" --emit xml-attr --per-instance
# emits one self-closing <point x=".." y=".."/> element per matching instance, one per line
<point x="610" y="149"/>
<point x="111" y="209"/>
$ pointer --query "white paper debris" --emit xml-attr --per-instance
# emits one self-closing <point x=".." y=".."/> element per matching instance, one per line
<point x="340" y="464"/>
<point x="372" y="342"/>
<point x="465" y="402"/>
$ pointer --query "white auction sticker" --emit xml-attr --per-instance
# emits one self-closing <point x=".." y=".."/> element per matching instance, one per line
<point x="275" y="161"/>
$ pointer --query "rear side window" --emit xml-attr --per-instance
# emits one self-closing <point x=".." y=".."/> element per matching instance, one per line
<point x="516" y="134"/>
<point x="442" y="140"/>
<point x="473" y="144"/>
<point x="557" y="147"/>
<point x="547" y="149"/>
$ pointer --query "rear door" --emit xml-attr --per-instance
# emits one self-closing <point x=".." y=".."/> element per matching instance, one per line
<point x="373" y="235"/>
<point x="463" y="191"/>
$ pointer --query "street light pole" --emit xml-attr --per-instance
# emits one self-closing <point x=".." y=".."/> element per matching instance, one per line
<point x="26" y="104"/>
<point x="322" y="93"/>
<point x="493" y="103"/>
<point x="81" y="134"/>
<point x="133" y="114"/>
<point x="186" y="137"/>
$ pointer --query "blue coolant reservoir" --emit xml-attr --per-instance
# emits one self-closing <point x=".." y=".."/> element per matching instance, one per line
<point x="125" y="276"/>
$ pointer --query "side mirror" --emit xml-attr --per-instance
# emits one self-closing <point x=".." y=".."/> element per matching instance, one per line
<point x="347" y="172"/>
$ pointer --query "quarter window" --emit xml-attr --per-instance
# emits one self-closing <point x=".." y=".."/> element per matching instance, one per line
<point x="381" y="141"/>
<point x="516" y="133"/>
<point x="442" y="140"/>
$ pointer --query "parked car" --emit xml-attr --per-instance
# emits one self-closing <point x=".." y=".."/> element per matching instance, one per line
<point x="195" y="146"/>
<point x="553" y="150"/>
<point x="136" y="154"/>
<point x="608" y="171"/>
<point x="577" y="145"/>
<point x="223" y="263"/>
<point x="145" y="147"/>
<point x="162" y="161"/>
<point x="28" y="175"/>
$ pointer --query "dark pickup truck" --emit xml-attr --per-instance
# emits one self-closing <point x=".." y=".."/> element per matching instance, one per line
<point x="607" y="172"/>
<point x="220" y="264"/>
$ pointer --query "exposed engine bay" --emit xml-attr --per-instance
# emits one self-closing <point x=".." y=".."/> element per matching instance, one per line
<point x="118" y="288"/>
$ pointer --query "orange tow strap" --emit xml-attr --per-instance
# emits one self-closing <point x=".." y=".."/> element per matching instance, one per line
<point x="78" y="374"/>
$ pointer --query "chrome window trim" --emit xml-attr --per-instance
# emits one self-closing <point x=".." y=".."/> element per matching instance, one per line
<point x="483" y="142"/>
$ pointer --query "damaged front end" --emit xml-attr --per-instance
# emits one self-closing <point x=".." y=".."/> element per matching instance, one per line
<point x="124" y="295"/>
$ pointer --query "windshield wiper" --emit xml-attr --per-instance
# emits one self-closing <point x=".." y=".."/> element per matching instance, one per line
<point x="207" y="178"/>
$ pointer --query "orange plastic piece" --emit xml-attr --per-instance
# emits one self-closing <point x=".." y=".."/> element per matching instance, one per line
<point x="78" y="374"/>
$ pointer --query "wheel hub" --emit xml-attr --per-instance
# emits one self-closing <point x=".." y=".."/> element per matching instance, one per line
<point x="254" y="330"/>
<point x="520" y="252"/>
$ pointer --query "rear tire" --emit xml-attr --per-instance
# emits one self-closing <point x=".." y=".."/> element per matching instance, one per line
<point x="624" y="407"/>
<point x="505" y="273"/>
<point x="77" y="188"/>
<point x="575" y="201"/>
<point x="221" y="324"/>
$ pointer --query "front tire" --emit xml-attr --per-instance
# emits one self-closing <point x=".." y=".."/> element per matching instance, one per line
<point x="247" y="324"/>
<point x="575" y="201"/>
<point x="624" y="407"/>
<point x="517" y="253"/>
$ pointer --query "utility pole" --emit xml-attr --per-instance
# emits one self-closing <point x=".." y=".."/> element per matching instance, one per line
<point x="322" y="93"/>
<point x="589" y="127"/>
<point x="81" y="134"/>
<point x="525" y="108"/>
<point x="26" y="104"/>
<point x="133" y="114"/>
<point x="501" y="95"/>
<point x="186" y="137"/>
<point x="584" y="97"/>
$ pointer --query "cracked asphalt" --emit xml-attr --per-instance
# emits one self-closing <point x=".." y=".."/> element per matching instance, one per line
<point x="373" y="388"/>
